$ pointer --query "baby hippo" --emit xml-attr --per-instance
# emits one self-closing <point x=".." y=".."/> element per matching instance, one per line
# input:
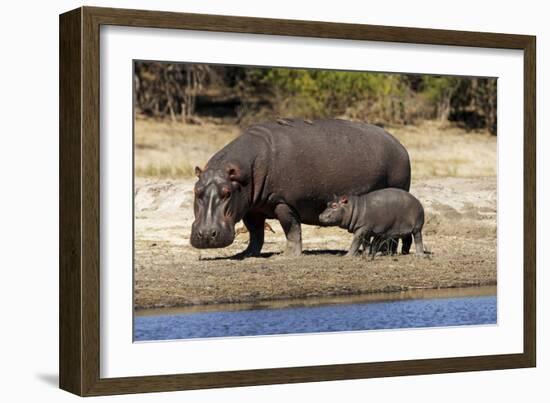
<point x="386" y="215"/>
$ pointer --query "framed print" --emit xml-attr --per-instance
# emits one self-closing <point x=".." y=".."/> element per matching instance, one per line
<point x="249" y="201"/>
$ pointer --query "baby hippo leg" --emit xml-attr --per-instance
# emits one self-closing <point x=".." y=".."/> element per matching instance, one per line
<point x="418" y="244"/>
<point x="358" y="237"/>
<point x="366" y="245"/>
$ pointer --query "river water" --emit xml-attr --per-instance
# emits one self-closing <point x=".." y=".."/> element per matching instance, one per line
<point x="384" y="311"/>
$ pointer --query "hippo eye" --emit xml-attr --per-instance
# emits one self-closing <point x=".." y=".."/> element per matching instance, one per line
<point x="198" y="191"/>
<point x="226" y="192"/>
<point x="334" y="205"/>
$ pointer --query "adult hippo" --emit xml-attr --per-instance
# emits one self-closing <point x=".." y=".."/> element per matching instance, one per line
<point x="289" y="170"/>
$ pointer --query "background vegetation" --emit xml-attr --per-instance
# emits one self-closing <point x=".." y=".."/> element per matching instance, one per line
<point x="243" y="95"/>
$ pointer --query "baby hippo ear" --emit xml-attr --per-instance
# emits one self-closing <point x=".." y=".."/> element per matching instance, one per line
<point x="198" y="171"/>
<point x="236" y="174"/>
<point x="343" y="199"/>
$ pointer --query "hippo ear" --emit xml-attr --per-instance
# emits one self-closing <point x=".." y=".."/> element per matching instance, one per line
<point x="236" y="174"/>
<point x="198" y="171"/>
<point x="343" y="199"/>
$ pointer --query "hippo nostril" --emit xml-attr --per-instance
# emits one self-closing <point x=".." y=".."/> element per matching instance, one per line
<point x="214" y="233"/>
<point x="199" y="234"/>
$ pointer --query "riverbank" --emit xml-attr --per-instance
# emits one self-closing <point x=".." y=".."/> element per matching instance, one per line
<point x="411" y="294"/>
<point x="460" y="231"/>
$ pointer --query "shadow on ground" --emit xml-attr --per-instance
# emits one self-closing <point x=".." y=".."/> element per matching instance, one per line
<point x="265" y="255"/>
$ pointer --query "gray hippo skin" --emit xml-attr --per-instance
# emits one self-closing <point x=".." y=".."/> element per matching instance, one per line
<point x="385" y="215"/>
<point x="289" y="170"/>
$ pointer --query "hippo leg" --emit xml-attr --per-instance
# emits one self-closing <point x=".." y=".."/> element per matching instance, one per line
<point x="358" y="239"/>
<point x="418" y="244"/>
<point x="255" y="224"/>
<point x="354" y="247"/>
<point x="407" y="242"/>
<point x="290" y="222"/>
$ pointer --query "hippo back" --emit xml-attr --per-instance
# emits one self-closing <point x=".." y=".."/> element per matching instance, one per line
<point x="309" y="162"/>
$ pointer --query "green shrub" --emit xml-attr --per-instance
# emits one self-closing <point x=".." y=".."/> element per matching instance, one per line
<point x="264" y="93"/>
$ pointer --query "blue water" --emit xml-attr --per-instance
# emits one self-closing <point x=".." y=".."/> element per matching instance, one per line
<point x="343" y="317"/>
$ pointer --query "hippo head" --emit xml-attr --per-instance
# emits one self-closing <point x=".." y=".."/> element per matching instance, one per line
<point x="335" y="212"/>
<point x="220" y="202"/>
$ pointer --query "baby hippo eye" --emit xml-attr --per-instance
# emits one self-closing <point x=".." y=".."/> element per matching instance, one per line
<point x="334" y="205"/>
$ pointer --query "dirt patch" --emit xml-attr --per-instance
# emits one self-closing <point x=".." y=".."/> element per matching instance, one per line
<point x="460" y="231"/>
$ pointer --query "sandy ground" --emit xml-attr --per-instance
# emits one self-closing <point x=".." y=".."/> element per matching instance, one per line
<point x="460" y="231"/>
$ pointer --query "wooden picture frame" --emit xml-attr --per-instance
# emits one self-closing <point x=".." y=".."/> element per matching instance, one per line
<point x="79" y="317"/>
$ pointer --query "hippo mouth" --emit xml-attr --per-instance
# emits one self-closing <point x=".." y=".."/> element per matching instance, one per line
<point x="211" y="238"/>
<point x="326" y="219"/>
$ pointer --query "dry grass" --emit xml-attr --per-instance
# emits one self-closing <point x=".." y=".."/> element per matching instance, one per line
<point x="164" y="149"/>
<point x="440" y="149"/>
